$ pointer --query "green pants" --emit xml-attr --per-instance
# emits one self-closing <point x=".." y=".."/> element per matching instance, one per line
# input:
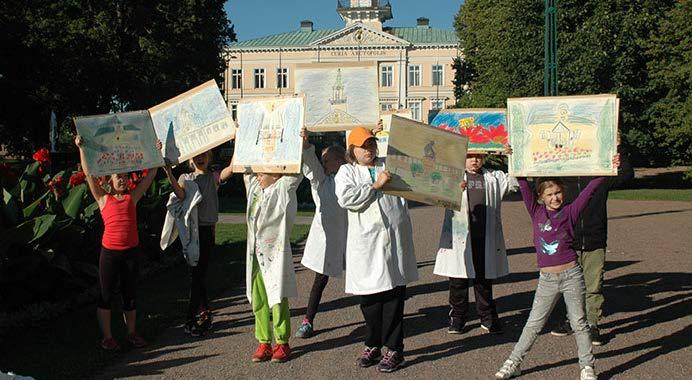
<point x="280" y="314"/>
<point x="593" y="266"/>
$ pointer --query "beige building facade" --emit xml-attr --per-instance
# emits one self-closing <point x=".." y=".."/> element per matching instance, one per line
<point x="414" y="63"/>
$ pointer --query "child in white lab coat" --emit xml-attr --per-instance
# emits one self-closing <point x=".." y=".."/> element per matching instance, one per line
<point x="380" y="258"/>
<point x="270" y="277"/>
<point x="326" y="243"/>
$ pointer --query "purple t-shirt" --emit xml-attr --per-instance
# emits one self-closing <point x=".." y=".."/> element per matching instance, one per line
<point x="553" y="231"/>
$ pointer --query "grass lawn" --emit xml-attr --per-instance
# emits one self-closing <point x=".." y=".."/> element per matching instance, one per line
<point x="653" y="195"/>
<point x="230" y="205"/>
<point x="68" y="347"/>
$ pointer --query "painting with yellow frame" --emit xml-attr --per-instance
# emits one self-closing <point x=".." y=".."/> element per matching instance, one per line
<point x="563" y="135"/>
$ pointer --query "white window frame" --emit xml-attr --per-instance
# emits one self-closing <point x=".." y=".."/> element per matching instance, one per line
<point x="236" y="78"/>
<point x="259" y="78"/>
<point x="386" y="75"/>
<point x="282" y="77"/>
<point x="437" y="104"/>
<point x="414" y="77"/>
<point x="438" y="76"/>
<point x="416" y="109"/>
<point x="387" y="106"/>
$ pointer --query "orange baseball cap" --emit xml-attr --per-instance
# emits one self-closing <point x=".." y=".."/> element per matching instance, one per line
<point x="359" y="136"/>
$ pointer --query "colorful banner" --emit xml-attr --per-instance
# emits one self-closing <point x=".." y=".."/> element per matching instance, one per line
<point x="485" y="128"/>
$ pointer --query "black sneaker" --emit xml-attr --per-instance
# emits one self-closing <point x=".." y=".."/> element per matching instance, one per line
<point x="391" y="361"/>
<point x="456" y="325"/>
<point x="596" y="338"/>
<point x="494" y="328"/>
<point x="204" y="321"/>
<point x="562" y="329"/>
<point x="192" y="328"/>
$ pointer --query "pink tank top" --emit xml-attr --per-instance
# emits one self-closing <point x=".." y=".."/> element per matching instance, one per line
<point x="120" y="223"/>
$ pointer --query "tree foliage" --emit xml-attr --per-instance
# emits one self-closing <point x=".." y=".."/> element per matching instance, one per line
<point x="83" y="57"/>
<point x="637" y="49"/>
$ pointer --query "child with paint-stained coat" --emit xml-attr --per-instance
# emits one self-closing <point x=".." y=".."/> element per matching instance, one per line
<point x="270" y="276"/>
<point x="560" y="274"/>
<point x="326" y="243"/>
<point x="380" y="259"/>
<point x="472" y="245"/>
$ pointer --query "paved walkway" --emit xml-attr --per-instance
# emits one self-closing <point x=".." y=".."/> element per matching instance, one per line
<point x="649" y="321"/>
<point x="240" y="219"/>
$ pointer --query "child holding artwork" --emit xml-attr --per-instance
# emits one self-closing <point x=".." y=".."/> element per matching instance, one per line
<point x="119" y="249"/>
<point x="199" y="318"/>
<point x="270" y="276"/>
<point x="326" y="243"/>
<point x="472" y="245"/>
<point x="380" y="258"/>
<point x="553" y="232"/>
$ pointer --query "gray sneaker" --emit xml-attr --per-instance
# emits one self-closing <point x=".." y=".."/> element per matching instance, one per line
<point x="587" y="373"/>
<point x="305" y="330"/>
<point x="508" y="370"/>
<point x="369" y="357"/>
<point x="391" y="361"/>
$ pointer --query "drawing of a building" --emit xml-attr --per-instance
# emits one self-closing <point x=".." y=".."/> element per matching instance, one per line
<point x="338" y="102"/>
<point x="560" y="136"/>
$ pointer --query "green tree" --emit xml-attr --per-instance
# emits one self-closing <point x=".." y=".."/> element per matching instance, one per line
<point x="84" y="57"/>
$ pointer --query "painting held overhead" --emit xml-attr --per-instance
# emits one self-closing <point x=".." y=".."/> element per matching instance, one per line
<point x="268" y="137"/>
<point x="485" y="127"/>
<point x="118" y="143"/>
<point x="427" y="163"/>
<point x="339" y="96"/>
<point x="563" y="135"/>
<point x="193" y="122"/>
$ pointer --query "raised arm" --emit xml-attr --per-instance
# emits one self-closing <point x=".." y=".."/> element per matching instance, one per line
<point x="579" y="204"/>
<point x="350" y="194"/>
<point x="226" y="172"/>
<point x="96" y="190"/>
<point x="143" y="185"/>
<point x="312" y="169"/>
<point x="528" y="195"/>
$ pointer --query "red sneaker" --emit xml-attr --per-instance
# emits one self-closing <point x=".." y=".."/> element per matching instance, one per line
<point x="281" y="353"/>
<point x="110" y="344"/>
<point x="263" y="353"/>
<point x="136" y="340"/>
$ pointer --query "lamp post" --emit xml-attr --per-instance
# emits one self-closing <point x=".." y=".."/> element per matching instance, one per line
<point x="550" y="49"/>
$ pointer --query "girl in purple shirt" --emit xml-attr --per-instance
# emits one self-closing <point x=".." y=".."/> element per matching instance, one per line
<point x="553" y="231"/>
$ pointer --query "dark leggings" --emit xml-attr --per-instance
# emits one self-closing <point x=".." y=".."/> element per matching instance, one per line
<point x="316" y="295"/>
<point x="118" y="268"/>
<point x="384" y="318"/>
<point x="198" y="274"/>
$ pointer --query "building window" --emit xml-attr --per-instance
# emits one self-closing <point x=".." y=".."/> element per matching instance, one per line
<point x="387" y="75"/>
<point x="236" y="78"/>
<point x="437" y="104"/>
<point x="414" y="106"/>
<point x="259" y="78"/>
<point x="234" y="111"/>
<point x="437" y="75"/>
<point x="282" y="77"/>
<point x="387" y="106"/>
<point x="414" y="75"/>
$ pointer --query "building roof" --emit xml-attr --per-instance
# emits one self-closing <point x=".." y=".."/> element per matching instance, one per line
<point x="302" y="38"/>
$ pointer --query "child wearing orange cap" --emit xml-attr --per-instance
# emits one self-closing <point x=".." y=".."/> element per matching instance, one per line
<point x="380" y="259"/>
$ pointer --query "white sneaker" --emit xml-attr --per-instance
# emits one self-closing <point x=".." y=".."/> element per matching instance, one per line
<point x="587" y="373"/>
<point x="509" y="370"/>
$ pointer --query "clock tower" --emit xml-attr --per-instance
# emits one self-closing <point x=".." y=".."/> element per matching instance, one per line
<point x="372" y="13"/>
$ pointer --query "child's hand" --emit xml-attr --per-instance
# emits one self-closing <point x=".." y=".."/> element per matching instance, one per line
<point x="78" y="141"/>
<point x="508" y="150"/>
<point x="304" y="135"/>
<point x="167" y="166"/>
<point x="382" y="179"/>
<point x="462" y="186"/>
<point x="159" y="144"/>
<point x="379" y="128"/>
<point x="616" y="160"/>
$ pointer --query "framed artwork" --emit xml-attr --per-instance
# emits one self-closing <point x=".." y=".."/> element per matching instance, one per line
<point x="563" y="135"/>
<point x="427" y="163"/>
<point x="268" y="137"/>
<point x="193" y="122"/>
<point x="118" y="143"/>
<point x="485" y="127"/>
<point x="339" y="96"/>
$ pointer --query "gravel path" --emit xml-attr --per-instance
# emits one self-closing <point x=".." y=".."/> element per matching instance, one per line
<point x="648" y="315"/>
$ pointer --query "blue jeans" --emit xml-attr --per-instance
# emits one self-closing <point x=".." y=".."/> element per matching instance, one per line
<point x="569" y="283"/>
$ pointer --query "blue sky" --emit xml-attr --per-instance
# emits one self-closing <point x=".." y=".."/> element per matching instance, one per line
<point x="258" y="18"/>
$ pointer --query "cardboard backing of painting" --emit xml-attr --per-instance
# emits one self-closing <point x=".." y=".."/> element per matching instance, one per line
<point x="338" y="96"/>
<point x="268" y="137"/>
<point x="383" y="135"/>
<point x="193" y="122"/>
<point x="485" y="127"/>
<point x="563" y="135"/>
<point x="118" y="143"/>
<point x="427" y="163"/>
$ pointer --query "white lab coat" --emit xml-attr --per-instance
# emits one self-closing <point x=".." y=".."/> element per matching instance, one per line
<point x="379" y="245"/>
<point x="454" y="257"/>
<point x="269" y="234"/>
<point x="181" y="221"/>
<point x="326" y="244"/>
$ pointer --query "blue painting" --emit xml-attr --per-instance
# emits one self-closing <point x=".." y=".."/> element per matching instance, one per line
<point x="485" y="128"/>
